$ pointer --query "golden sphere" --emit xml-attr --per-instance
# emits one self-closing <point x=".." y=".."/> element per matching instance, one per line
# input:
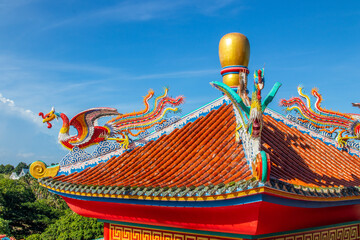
<point x="234" y="50"/>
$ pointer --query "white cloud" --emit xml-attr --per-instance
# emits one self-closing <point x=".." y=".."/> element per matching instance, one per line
<point x="180" y="74"/>
<point x="140" y="11"/>
<point x="6" y="101"/>
<point x="24" y="113"/>
<point x="25" y="155"/>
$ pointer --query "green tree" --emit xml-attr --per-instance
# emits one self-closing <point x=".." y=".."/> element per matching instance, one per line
<point x="40" y="192"/>
<point x="4" y="227"/>
<point x="72" y="226"/>
<point x="25" y="214"/>
<point x="8" y="168"/>
<point x="36" y="236"/>
<point x="20" y="166"/>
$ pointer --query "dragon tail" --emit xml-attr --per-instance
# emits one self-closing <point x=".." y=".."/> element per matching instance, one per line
<point x="145" y="119"/>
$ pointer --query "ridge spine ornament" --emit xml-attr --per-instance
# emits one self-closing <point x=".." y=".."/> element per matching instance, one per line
<point x="249" y="120"/>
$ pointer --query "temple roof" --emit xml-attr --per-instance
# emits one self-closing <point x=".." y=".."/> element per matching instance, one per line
<point x="203" y="159"/>
<point x="201" y="153"/>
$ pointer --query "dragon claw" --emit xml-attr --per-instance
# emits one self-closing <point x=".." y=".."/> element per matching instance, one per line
<point x="123" y="142"/>
<point x="342" y="142"/>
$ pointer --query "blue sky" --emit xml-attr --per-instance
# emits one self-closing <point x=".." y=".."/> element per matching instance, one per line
<point x="76" y="55"/>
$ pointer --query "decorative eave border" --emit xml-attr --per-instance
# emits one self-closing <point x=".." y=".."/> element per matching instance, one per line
<point x="192" y="193"/>
<point x="278" y="193"/>
<point x="248" y="196"/>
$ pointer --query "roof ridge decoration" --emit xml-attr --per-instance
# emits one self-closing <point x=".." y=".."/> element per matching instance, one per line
<point x="289" y="121"/>
<point x="89" y="133"/>
<point x="234" y="54"/>
<point x="249" y="123"/>
<point x="329" y="123"/>
<point x="153" y="136"/>
<point x="119" y="128"/>
<point x="79" y="155"/>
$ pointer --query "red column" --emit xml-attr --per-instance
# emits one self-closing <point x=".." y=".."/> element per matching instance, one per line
<point x="106" y="231"/>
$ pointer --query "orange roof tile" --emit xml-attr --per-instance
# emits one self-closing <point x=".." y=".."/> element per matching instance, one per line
<point x="300" y="159"/>
<point x="201" y="153"/>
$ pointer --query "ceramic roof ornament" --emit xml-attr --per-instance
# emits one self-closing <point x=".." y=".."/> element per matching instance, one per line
<point x="123" y="125"/>
<point x="234" y="50"/>
<point x="234" y="56"/>
<point x="328" y="121"/>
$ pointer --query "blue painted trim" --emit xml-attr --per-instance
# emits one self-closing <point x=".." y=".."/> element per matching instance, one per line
<point x="307" y="204"/>
<point x="235" y="66"/>
<point x="229" y="73"/>
<point x="219" y="203"/>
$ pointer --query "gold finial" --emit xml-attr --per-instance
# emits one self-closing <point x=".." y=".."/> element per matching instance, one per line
<point x="38" y="170"/>
<point x="234" y="54"/>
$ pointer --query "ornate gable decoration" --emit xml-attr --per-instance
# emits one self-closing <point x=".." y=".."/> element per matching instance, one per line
<point x="343" y="127"/>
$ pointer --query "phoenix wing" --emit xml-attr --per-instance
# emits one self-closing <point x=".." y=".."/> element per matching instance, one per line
<point x="85" y="122"/>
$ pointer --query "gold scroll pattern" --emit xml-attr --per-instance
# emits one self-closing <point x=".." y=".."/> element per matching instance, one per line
<point x="118" y="232"/>
<point x="348" y="232"/>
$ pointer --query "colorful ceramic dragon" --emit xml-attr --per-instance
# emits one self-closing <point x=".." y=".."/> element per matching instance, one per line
<point x="4" y="237"/>
<point x="323" y="119"/>
<point x="122" y="125"/>
<point x="250" y="122"/>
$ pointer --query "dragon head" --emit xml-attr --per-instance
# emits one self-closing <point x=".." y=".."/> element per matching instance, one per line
<point x="259" y="82"/>
<point x="255" y="118"/>
<point x="49" y="117"/>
